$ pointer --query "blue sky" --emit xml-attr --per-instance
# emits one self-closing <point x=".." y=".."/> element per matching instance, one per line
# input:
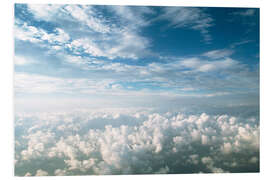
<point x="85" y="56"/>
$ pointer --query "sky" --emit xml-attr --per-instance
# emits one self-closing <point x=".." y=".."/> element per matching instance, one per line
<point x="124" y="56"/>
<point x="135" y="90"/>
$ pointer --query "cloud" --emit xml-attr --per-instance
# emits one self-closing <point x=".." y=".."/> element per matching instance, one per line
<point x="105" y="37"/>
<point x="217" y="54"/>
<point x="59" y="172"/>
<point x="187" y="17"/>
<point x="133" y="16"/>
<point x="157" y="143"/>
<point x="125" y="44"/>
<point x="25" y="32"/>
<point x="21" y="61"/>
<point x="40" y="172"/>
<point x="28" y="174"/>
<point x="87" y="16"/>
<point x="240" y="43"/>
<point x="205" y="66"/>
<point x="245" y="13"/>
<point x="36" y="144"/>
<point x="247" y="17"/>
<point x="44" y="11"/>
<point x="208" y="161"/>
<point x="180" y="76"/>
<point x="33" y="83"/>
<point x="87" y="45"/>
<point x="26" y="83"/>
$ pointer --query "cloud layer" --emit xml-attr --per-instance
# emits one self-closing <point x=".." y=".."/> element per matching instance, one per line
<point x="130" y="141"/>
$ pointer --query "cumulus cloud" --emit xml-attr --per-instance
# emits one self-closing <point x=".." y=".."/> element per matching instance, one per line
<point x="40" y="172"/>
<point x="135" y="142"/>
<point x="28" y="174"/>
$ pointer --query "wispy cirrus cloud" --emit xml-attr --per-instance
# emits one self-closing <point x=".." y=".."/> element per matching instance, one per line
<point x="245" y="12"/>
<point x="207" y="66"/>
<point x="190" y="18"/>
<point x="217" y="54"/>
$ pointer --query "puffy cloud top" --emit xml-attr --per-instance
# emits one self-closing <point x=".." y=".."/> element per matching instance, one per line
<point x="134" y="142"/>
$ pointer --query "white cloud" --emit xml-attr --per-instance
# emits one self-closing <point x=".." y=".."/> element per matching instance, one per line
<point x="240" y="43"/>
<point x="86" y="15"/>
<point x="87" y="45"/>
<point x="33" y="83"/>
<point x="20" y="61"/>
<point x="36" y="144"/>
<point x="40" y="172"/>
<point x="106" y="38"/>
<point x="44" y="11"/>
<point x="26" y="83"/>
<point x="209" y="162"/>
<point x="129" y="149"/>
<point x="123" y="44"/>
<point x="188" y="17"/>
<point x="60" y="172"/>
<point x="28" y="174"/>
<point x="25" y="32"/>
<point x="133" y="16"/>
<point x="83" y="14"/>
<point x="174" y="75"/>
<point x="247" y="12"/>
<point x="217" y="54"/>
<point x="196" y="64"/>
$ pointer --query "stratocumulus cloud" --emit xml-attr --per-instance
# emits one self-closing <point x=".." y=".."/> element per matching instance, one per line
<point x="134" y="142"/>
